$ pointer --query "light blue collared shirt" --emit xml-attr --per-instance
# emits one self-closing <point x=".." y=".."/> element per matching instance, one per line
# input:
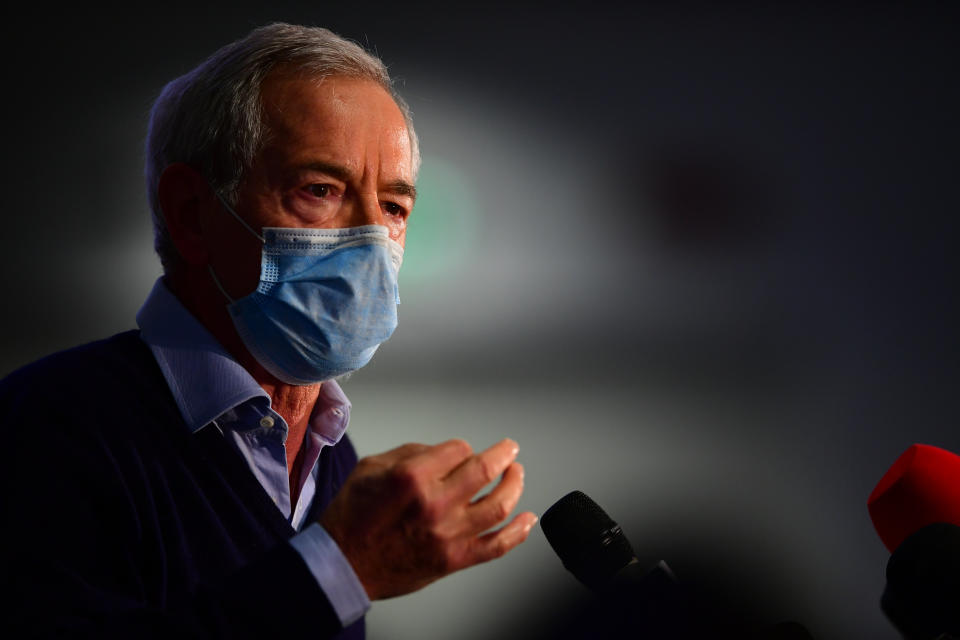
<point x="212" y="390"/>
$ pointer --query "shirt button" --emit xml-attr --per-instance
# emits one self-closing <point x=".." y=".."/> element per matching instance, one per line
<point x="266" y="422"/>
<point x="337" y="412"/>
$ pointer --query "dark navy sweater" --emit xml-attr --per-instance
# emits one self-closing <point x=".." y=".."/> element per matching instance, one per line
<point x="120" y="523"/>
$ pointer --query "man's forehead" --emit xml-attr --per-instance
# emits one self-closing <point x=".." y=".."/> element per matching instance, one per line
<point x="288" y="96"/>
<point x="335" y="119"/>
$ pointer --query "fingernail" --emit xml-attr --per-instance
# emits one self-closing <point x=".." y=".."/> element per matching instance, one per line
<point x="515" y="448"/>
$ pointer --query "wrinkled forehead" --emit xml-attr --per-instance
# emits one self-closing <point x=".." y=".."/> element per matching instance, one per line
<point x="354" y="117"/>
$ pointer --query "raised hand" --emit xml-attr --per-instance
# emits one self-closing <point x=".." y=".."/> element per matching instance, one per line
<point x="406" y="517"/>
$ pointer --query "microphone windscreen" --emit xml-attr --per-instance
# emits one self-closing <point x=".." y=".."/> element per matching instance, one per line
<point x="590" y="544"/>
<point x="920" y="488"/>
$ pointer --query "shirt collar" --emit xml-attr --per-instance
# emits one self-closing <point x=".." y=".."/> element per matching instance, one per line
<point x="205" y="380"/>
<point x="331" y="413"/>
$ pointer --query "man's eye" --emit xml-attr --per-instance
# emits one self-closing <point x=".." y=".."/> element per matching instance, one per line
<point x="320" y="190"/>
<point x="393" y="208"/>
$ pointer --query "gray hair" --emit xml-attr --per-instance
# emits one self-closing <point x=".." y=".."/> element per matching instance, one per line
<point x="212" y="117"/>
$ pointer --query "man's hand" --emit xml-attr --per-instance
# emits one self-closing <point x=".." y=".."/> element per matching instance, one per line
<point x="405" y="517"/>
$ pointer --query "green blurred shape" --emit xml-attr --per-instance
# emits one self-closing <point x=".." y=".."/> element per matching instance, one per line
<point x="441" y="231"/>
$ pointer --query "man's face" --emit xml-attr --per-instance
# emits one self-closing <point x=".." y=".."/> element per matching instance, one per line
<point x="337" y="154"/>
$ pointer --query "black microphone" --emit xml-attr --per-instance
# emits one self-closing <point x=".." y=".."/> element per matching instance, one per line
<point x="646" y="601"/>
<point x="630" y="596"/>
<point x="593" y="548"/>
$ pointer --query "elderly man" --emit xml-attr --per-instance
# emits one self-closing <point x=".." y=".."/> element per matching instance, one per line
<point x="193" y="478"/>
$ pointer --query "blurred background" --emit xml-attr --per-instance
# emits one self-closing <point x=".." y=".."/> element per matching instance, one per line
<point x="693" y="257"/>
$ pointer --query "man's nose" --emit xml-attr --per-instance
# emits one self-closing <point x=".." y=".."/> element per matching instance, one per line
<point x="367" y="211"/>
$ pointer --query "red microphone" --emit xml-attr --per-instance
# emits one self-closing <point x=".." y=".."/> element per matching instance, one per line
<point x="916" y="510"/>
<point x="921" y="488"/>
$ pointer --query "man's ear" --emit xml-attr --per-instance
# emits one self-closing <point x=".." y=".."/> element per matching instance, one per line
<point x="183" y="195"/>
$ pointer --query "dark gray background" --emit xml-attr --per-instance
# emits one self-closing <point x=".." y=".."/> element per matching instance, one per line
<point x="696" y="259"/>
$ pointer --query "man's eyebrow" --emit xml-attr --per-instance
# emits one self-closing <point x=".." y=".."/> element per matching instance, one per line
<point x="402" y="188"/>
<point x="337" y="171"/>
<point x="399" y="187"/>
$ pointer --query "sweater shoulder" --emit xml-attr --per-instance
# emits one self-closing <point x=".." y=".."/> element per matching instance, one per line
<point x="116" y="371"/>
<point x="115" y="357"/>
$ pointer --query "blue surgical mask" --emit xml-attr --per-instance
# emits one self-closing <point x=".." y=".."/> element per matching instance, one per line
<point x="327" y="298"/>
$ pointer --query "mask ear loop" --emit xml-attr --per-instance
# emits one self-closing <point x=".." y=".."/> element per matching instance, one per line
<point x="226" y="206"/>
<point x="239" y="219"/>
<point x="216" y="281"/>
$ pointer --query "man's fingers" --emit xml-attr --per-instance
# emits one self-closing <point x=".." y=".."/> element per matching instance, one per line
<point x="438" y="460"/>
<point x="493" y="508"/>
<point x="480" y="470"/>
<point x="403" y="451"/>
<point x="497" y="543"/>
